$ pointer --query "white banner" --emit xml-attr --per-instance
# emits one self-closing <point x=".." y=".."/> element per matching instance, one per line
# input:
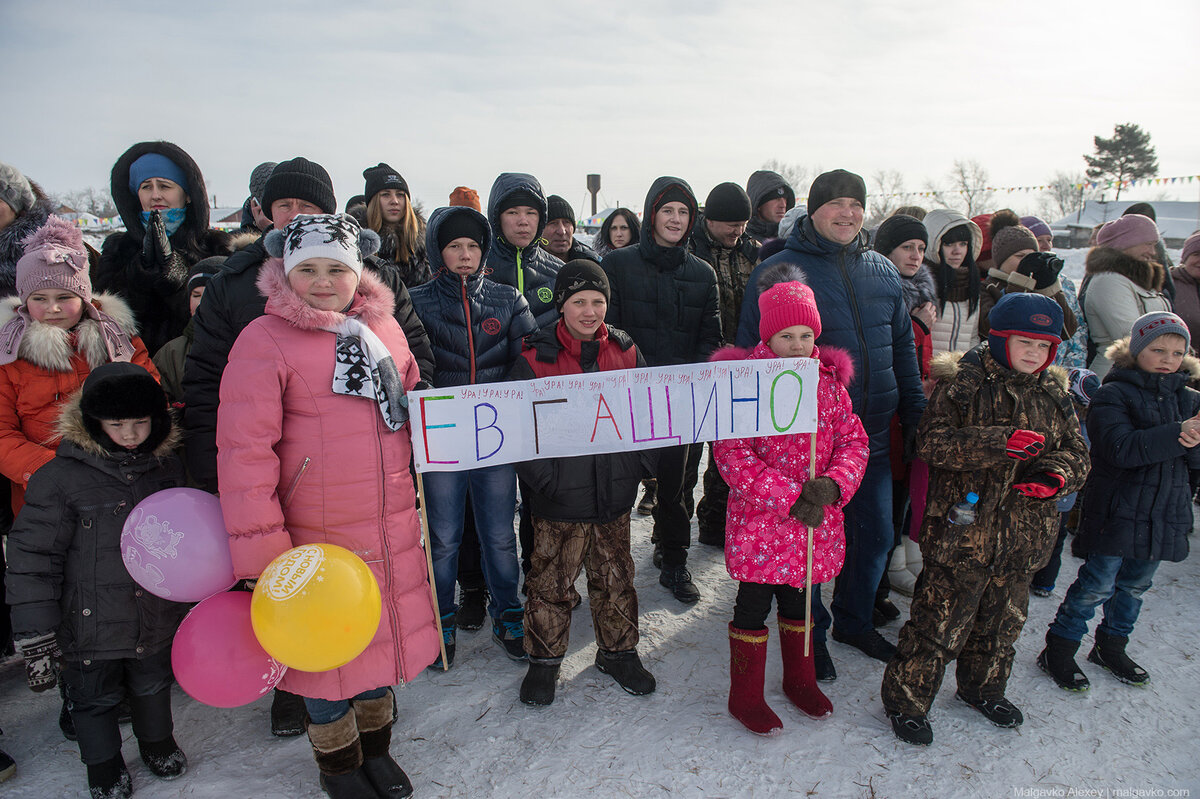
<point x="468" y="427"/>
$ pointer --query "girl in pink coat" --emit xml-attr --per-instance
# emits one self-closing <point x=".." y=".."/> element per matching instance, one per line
<point x="313" y="447"/>
<point x="773" y="505"/>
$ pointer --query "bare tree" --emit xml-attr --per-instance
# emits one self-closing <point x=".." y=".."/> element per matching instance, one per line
<point x="966" y="188"/>
<point x="1065" y="194"/>
<point x="798" y="177"/>
<point x="884" y="196"/>
<point x="90" y="201"/>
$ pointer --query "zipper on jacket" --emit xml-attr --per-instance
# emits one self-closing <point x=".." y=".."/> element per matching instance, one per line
<point x="385" y="551"/>
<point x="292" y="486"/>
<point x="520" y="277"/>
<point x="862" y="342"/>
<point x="470" y="332"/>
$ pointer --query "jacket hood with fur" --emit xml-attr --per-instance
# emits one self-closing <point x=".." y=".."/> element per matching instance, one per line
<point x="1146" y="274"/>
<point x="51" y="347"/>
<point x="72" y="428"/>
<point x="373" y="303"/>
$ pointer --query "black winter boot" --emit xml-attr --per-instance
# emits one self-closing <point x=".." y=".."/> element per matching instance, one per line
<point x="1000" y="711"/>
<point x="538" y="686"/>
<point x="164" y="758"/>
<point x="912" y="729"/>
<point x="288" y="714"/>
<point x="822" y="662"/>
<point x="338" y="752"/>
<point x="1058" y="660"/>
<point x="375" y="718"/>
<point x="110" y="779"/>
<point x="472" y="608"/>
<point x="1109" y="652"/>
<point x="626" y="668"/>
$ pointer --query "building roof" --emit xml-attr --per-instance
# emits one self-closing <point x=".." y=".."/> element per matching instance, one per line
<point x="1176" y="219"/>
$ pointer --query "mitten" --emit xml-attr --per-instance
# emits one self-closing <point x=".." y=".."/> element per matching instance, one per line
<point x="1025" y="444"/>
<point x="821" y="491"/>
<point x="807" y="513"/>
<point x="42" y="659"/>
<point x="1042" y="485"/>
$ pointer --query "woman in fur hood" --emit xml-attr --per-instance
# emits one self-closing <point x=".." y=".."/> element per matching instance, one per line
<point x="1122" y="282"/>
<point x="52" y="335"/>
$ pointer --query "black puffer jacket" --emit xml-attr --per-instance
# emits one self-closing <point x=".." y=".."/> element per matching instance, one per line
<point x="65" y="573"/>
<point x="11" y="237"/>
<point x="581" y="250"/>
<point x="595" y="488"/>
<point x="474" y="324"/>
<point x="664" y="297"/>
<point x="530" y="270"/>
<point x="232" y="301"/>
<point x="1138" y="502"/>
<point x="159" y="299"/>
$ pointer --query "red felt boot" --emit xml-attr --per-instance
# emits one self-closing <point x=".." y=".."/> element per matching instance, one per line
<point x="799" y="675"/>
<point x="747" y="667"/>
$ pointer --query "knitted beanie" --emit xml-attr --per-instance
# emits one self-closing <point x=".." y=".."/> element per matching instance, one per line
<point x="258" y="179"/>
<point x="54" y="258"/>
<point x="380" y="178"/>
<point x="15" y="189"/>
<point x="467" y="197"/>
<point x="1036" y="226"/>
<point x="338" y="237"/>
<point x="728" y="202"/>
<point x="299" y="179"/>
<point x="156" y="165"/>
<point x="896" y="230"/>
<point x="1028" y="315"/>
<point x="204" y="269"/>
<point x="787" y="300"/>
<point x="1127" y="231"/>
<point x="1011" y="240"/>
<point x="517" y="198"/>
<point x="1190" y="247"/>
<point x="576" y="276"/>
<point x="1150" y="326"/>
<point x="461" y="225"/>
<point x="835" y="184"/>
<point x="559" y="208"/>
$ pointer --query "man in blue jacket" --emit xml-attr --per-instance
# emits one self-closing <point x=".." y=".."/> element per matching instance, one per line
<point x="858" y="294"/>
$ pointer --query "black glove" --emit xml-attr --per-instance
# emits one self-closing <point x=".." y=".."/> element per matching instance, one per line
<point x="807" y="513"/>
<point x="1041" y="267"/>
<point x="821" y="491"/>
<point x="908" y="434"/>
<point x="43" y="660"/>
<point x="156" y="245"/>
<point x="422" y="386"/>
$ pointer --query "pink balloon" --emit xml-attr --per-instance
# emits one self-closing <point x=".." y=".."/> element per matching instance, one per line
<point x="175" y="545"/>
<point x="216" y="657"/>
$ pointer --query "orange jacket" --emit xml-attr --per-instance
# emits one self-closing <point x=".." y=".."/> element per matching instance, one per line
<point x="50" y="368"/>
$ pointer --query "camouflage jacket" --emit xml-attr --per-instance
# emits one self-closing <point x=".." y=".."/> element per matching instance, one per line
<point x="963" y="435"/>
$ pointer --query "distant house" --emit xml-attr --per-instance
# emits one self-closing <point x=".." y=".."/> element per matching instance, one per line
<point x="225" y="218"/>
<point x="1176" y="221"/>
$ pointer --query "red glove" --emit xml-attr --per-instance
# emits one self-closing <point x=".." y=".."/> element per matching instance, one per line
<point x="1041" y="486"/>
<point x="1025" y="444"/>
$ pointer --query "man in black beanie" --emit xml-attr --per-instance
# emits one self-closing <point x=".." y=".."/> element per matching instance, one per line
<point x="721" y="240"/>
<point x="771" y="197"/>
<point x="863" y="312"/>
<point x="560" y="232"/>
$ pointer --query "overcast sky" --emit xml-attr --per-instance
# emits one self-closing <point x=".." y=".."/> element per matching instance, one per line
<point x="453" y="93"/>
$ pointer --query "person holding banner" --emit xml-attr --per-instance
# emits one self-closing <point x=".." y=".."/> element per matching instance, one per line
<point x="580" y="505"/>
<point x="782" y="490"/>
<point x="313" y="447"/>
<point x="476" y="327"/>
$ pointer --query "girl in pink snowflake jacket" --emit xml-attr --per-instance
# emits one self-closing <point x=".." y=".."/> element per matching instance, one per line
<point x="773" y="506"/>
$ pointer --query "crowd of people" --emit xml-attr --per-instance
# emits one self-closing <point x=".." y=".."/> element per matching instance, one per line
<point x="976" y="408"/>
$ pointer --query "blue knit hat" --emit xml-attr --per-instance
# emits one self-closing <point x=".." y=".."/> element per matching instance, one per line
<point x="155" y="165"/>
<point x="1028" y="315"/>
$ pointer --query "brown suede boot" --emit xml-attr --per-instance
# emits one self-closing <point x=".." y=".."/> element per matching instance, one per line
<point x="747" y="670"/>
<point x="799" y="673"/>
<point x="375" y="719"/>
<point x="338" y="752"/>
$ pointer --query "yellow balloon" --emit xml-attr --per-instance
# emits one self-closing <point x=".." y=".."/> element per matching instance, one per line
<point x="316" y="607"/>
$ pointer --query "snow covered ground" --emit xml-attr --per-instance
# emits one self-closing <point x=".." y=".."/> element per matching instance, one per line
<point x="464" y="732"/>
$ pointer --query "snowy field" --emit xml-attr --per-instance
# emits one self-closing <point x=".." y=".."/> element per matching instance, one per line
<point x="464" y="732"/>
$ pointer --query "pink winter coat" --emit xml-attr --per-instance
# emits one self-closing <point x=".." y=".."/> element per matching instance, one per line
<point x="763" y="544"/>
<point x="299" y="464"/>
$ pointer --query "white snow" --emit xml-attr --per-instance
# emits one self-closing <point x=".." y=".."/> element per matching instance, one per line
<point x="464" y="732"/>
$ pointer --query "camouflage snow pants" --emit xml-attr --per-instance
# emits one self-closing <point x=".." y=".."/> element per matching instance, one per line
<point x="560" y="551"/>
<point x="958" y="612"/>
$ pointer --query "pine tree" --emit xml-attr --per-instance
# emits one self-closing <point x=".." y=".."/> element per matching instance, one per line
<point x="1128" y="155"/>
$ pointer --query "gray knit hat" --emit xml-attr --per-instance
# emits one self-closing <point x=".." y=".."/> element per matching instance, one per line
<point x="258" y="179"/>
<point x="15" y="189"/>
<point x="1154" y="324"/>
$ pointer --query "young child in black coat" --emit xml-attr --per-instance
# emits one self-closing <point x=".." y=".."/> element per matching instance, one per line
<point x="77" y="614"/>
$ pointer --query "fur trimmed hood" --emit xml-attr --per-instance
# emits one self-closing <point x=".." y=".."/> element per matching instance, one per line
<point x="946" y="365"/>
<point x="373" y="302"/>
<point x="1118" y="352"/>
<point x="918" y="289"/>
<point x="834" y="360"/>
<point x="243" y="239"/>
<point x="72" y="428"/>
<point x="1146" y="274"/>
<point x="24" y="225"/>
<point x="51" y="347"/>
